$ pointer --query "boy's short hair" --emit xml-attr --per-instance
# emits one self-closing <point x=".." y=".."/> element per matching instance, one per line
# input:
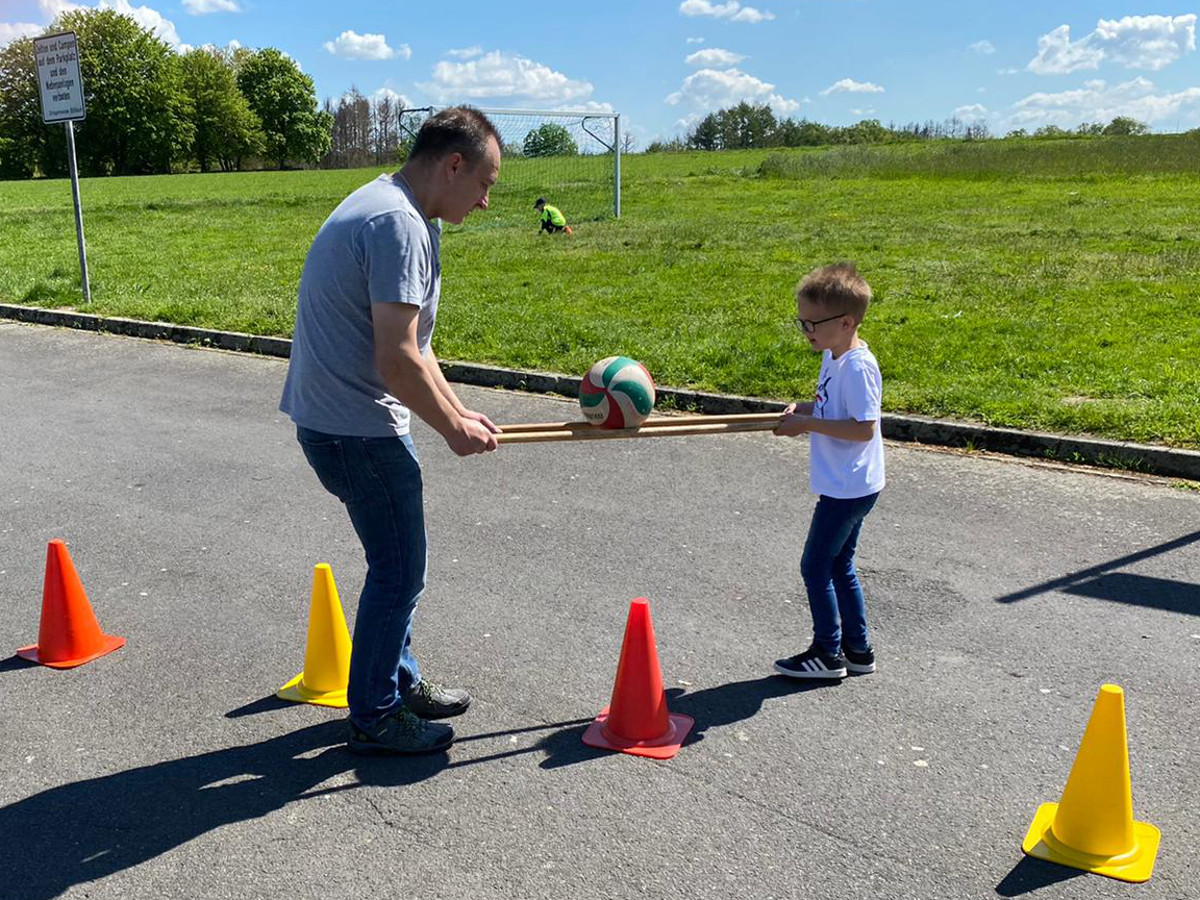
<point x="836" y="287"/>
<point x="455" y="129"/>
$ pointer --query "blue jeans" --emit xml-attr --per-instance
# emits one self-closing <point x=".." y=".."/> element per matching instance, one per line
<point x="379" y="481"/>
<point x="835" y="597"/>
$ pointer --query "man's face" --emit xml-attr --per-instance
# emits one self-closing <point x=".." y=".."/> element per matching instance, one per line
<point x="469" y="184"/>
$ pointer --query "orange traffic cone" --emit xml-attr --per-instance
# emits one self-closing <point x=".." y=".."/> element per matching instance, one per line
<point x="69" y="634"/>
<point x="637" y="721"/>
<point x="1093" y="828"/>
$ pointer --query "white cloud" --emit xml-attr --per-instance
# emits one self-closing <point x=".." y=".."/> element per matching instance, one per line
<point x="710" y="89"/>
<point x="695" y="40"/>
<point x="1097" y="102"/>
<point x="10" y="32"/>
<point x="204" y="7"/>
<point x="397" y="99"/>
<point x="862" y="112"/>
<point x="1135" y="42"/>
<point x="465" y="52"/>
<point x="714" y="56"/>
<point x="732" y="10"/>
<point x="850" y="86"/>
<point x="498" y="74"/>
<point x="983" y="48"/>
<point x="351" y="45"/>
<point x="972" y="112"/>
<point x="150" y="19"/>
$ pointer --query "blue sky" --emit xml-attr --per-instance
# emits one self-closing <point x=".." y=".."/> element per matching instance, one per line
<point x="664" y="64"/>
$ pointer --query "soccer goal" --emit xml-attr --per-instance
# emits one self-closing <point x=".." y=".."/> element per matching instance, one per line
<point x="570" y="157"/>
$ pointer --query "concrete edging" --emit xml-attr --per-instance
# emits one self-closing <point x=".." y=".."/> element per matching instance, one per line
<point x="1149" y="458"/>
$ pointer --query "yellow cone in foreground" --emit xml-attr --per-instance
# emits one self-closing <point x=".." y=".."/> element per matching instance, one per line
<point x="327" y="653"/>
<point x="1092" y="828"/>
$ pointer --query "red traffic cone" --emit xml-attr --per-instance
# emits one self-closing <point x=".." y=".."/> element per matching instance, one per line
<point x="637" y="721"/>
<point x="69" y="634"/>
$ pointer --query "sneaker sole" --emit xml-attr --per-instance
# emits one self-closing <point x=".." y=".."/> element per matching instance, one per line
<point x="827" y="675"/>
<point x="373" y="749"/>
<point x="449" y="713"/>
<point x="859" y="668"/>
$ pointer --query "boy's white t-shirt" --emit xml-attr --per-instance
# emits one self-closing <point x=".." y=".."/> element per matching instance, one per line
<point x="849" y="387"/>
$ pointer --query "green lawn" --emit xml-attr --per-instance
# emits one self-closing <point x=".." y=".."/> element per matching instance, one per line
<point x="1056" y="291"/>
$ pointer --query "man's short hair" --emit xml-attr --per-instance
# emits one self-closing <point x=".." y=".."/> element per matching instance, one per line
<point x="837" y="288"/>
<point x="455" y="129"/>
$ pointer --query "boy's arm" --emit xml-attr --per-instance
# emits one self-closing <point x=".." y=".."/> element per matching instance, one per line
<point x="842" y="429"/>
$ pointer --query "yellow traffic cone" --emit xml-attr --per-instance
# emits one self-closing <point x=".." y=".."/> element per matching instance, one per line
<point x="327" y="653"/>
<point x="1092" y="828"/>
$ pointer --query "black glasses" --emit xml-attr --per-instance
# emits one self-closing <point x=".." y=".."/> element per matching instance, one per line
<point x="808" y="326"/>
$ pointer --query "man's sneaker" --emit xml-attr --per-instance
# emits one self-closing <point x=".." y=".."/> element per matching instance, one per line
<point x="859" y="662"/>
<point x="401" y="732"/>
<point x="813" y="663"/>
<point x="432" y="701"/>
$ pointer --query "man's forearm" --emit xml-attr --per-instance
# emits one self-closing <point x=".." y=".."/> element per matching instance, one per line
<point x="439" y="378"/>
<point x="408" y="379"/>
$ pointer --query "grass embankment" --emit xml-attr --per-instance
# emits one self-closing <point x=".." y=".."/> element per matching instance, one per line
<point x="1047" y="285"/>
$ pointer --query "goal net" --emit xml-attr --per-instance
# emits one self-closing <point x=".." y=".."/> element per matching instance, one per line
<point x="570" y="157"/>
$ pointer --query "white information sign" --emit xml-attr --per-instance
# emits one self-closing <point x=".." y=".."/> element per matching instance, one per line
<point x="58" y="77"/>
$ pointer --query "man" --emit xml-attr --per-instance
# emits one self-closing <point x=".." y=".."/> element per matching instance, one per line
<point x="553" y="221"/>
<point x="361" y="363"/>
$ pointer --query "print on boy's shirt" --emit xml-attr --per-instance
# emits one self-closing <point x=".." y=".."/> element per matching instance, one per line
<point x="822" y="397"/>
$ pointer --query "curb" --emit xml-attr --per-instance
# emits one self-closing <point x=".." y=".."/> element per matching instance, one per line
<point x="1147" y="458"/>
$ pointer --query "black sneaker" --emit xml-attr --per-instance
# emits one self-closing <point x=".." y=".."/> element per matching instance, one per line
<point x="813" y="663"/>
<point x="401" y="732"/>
<point x="859" y="662"/>
<point x="432" y="701"/>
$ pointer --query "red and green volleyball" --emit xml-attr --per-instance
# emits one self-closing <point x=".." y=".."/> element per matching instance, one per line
<point x="617" y="392"/>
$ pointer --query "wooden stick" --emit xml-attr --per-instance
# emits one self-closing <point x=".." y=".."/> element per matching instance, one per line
<point x="654" y="422"/>
<point x="600" y="434"/>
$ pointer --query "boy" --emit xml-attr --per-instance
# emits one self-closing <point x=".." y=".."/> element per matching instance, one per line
<point x="553" y="221"/>
<point x="846" y="470"/>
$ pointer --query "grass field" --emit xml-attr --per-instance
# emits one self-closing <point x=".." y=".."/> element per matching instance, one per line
<point x="1047" y="285"/>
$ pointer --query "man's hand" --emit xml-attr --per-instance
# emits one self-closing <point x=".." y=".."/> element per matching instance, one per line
<point x="793" y="424"/>
<point x="471" y="436"/>
<point x="481" y="419"/>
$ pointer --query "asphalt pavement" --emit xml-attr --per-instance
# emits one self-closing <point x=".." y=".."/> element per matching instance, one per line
<point x="1002" y="595"/>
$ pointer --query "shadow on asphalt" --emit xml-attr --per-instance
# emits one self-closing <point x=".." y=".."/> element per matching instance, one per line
<point x="1102" y="583"/>
<point x="87" y="830"/>
<point x="1031" y="874"/>
<point x="15" y="663"/>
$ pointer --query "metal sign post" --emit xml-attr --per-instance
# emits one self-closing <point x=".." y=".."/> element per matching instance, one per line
<point x="61" y="90"/>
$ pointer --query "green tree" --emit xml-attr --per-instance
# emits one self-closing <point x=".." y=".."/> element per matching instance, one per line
<point x="138" y="114"/>
<point x="226" y="129"/>
<point x="550" y="139"/>
<point x="1124" y="125"/>
<point x="22" y="133"/>
<point x="706" y="135"/>
<point x="283" y="98"/>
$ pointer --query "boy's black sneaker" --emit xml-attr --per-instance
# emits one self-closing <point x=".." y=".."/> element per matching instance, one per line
<point x="859" y="662"/>
<point x="813" y="664"/>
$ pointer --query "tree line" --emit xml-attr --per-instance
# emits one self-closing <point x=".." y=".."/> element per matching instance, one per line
<point x="152" y="110"/>
<point x="746" y="126"/>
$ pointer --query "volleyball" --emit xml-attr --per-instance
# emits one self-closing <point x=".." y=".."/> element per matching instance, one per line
<point x="617" y="392"/>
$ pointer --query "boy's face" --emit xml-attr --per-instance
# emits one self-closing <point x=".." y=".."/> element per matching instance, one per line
<point x="825" y="328"/>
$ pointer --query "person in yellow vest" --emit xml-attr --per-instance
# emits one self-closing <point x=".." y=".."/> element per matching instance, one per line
<point x="553" y="221"/>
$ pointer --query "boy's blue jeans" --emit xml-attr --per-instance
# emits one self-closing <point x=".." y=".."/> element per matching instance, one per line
<point x="835" y="597"/>
<point x="379" y="481"/>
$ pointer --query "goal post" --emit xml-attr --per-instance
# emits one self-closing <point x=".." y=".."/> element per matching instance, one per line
<point x="570" y="157"/>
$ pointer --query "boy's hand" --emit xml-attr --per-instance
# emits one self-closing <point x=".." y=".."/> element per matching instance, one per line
<point x="792" y="425"/>
<point x="788" y="410"/>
